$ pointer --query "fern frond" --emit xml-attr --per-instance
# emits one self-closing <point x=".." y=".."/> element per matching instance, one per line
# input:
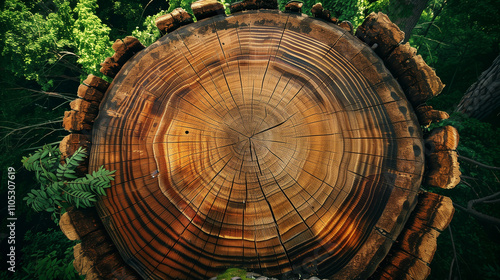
<point x="59" y="183"/>
<point x="67" y="171"/>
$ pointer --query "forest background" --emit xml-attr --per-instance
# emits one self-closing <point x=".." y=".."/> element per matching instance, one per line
<point x="48" y="47"/>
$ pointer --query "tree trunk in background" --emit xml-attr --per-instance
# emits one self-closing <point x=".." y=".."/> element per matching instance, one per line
<point x="483" y="97"/>
<point x="405" y="14"/>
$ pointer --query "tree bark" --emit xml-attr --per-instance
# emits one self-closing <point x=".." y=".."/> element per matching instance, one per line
<point x="265" y="140"/>
<point x="483" y="97"/>
<point x="405" y="14"/>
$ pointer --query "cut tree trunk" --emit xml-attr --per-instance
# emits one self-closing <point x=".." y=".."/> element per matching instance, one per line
<point x="270" y="141"/>
<point x="265" y="140"/>
<point x="483" y="97"/>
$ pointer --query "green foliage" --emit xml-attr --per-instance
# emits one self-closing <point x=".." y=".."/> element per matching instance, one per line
<point x="48" y="267"/>
<point x="45" y="255"/>
<point x="351" y="10"/>
<point x="459" y="39"/>
<point x="59" y="184"/>
<point x="377" y="6"/>
<point x="32" y="42"/>
<point x="233" y="272"/>
<point x="476" y="243"/>
<point x="150" y="33"/>
<point x="478" y="140"/>
<point x="40" y="44"/>
<point x="123" y="16"/>
<point x="185" y="4"/>
<point x="91" y="37"/>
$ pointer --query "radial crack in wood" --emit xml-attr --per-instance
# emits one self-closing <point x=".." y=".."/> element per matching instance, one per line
<point x="266" y="140"/>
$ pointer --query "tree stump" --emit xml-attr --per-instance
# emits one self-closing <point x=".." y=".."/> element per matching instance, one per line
<point x="264" y="140"/>
<point x="270" y="141"/>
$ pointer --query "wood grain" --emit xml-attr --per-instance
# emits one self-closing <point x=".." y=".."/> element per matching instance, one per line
<point x="414" y="249"/>
<point x="443" y="168"/>
<point x="418" y="80"/>
<point x="266" y="140"/>
<point x="71" y="142"/>
<point x="67" y="227"/>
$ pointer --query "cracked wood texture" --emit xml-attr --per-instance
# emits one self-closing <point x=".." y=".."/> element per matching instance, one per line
<point x="265" y="140"/>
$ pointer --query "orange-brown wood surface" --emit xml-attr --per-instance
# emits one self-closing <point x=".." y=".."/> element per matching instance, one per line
<point x="427" y="115"/>
<point x="169" y="22"/>
<point x="410" y="256"/>
<point x="443" y="169"/>
<point x="266" y="140"/>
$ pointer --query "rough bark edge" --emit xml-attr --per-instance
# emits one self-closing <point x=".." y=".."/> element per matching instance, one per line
<point x="170" y="22"/>
<point x="294" y="7"/>
<point x="406" y="265"/>
<point x="443" y="169"/>
<point x="319" y="12"/>
<point x="380" y="33"/>
<point x="85" y="108"/>
<point x="253" y="5"/>
<point x="96" y="256"/>
<point x="67" y="227"/>
<point x="207" y="8"/>
<point x="418" y="81"/>
<point x="124" y="50"/>
<point x="432" y="214"/>
<point x="70" y="144"/>
<point x="427" y="115"/>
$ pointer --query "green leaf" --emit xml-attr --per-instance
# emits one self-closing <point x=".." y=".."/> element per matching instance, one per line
<point x="70" y="176"/>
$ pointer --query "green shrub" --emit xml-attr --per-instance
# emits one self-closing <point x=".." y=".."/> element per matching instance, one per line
<point x="45" y="255"/>
<point x="59" y="185"/>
